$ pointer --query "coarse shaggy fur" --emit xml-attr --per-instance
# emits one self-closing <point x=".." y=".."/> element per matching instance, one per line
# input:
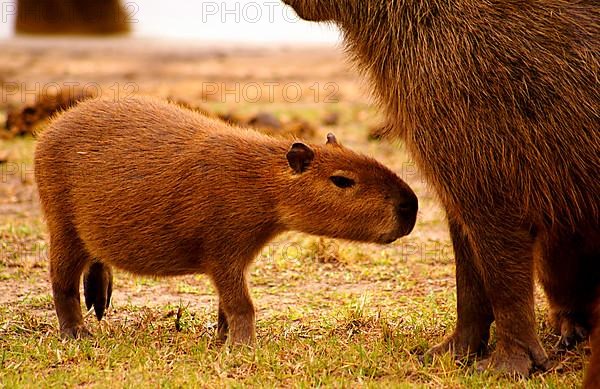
<point x="499" y="105"/>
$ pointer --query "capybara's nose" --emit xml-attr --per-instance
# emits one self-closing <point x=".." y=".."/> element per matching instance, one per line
<point x="407" y="212"/>
<point x="408" y="207"/>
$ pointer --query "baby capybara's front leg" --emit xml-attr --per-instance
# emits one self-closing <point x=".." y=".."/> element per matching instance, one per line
<point x="68" y="259"/>
<point x="505" y="259"/>
<point x="475" y="313"/>
<point x="236" y="311"/>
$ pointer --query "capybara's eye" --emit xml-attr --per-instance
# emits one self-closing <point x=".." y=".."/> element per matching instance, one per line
<point x="342" y="182"/>
<point x="28" y="111"/>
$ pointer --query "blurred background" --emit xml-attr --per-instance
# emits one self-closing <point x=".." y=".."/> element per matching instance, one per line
<point x="222" y="21"/>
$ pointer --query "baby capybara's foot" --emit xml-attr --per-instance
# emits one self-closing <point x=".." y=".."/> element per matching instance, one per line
<point x="241" y="331"/>
<point x="514" y="360"/>
<point x="97" y="287"/>
<point x="75" y="332"/>
<point x="246" y="339"/>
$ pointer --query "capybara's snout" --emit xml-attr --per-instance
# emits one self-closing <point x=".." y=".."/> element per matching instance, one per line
<point x="406" y="206"/>
<point x="406" y="210"/>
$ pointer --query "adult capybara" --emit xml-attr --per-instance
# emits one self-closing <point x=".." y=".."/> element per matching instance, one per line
<point x="157" y="189"/>
<point x="86" y="17"/>
<point x="499" y="104"/>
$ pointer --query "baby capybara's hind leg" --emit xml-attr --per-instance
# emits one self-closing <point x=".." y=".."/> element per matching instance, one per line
<point x="97" y="287"/>
<point x="68" y="259"/>
<point x="222" y="325"/>
<point x="236" y="311"/>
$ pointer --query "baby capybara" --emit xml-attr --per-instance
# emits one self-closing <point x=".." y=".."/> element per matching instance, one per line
<point x="499" y="104"/>
<point x="156" y="189"/>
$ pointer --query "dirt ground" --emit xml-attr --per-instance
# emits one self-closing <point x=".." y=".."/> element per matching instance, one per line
<point x="297" y="275"/>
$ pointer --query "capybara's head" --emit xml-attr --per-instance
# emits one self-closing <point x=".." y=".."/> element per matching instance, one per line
<point x="336" y="192"/>
<point x="319" y="10"/>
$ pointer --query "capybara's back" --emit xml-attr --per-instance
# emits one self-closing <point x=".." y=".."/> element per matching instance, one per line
<point x="157" y="189"/>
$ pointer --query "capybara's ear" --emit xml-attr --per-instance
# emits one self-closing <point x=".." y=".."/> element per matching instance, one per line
<point x="299" y="157"/>
<point x="331" y="139"/>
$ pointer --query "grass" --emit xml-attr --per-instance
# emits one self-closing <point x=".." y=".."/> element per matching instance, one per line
<point x="346" y="345"/>
<point x="329" y="313"/>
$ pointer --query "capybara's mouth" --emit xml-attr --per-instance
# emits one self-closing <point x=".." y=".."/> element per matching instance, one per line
<point x="389" y="238"/>
<point x="403" y="230"/>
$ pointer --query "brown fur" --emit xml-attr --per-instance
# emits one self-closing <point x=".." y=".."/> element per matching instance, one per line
<point x="592" y="375"/>
<point x="499" y="104"/>
<point x="157" y="189"/>
<point x="73" y="17"/>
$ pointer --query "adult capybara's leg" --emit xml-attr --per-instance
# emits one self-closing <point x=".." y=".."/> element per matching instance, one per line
<point x="236" y="303"/>
<point x="505" y="257"/>
<point x="68" y="259"/>
<point x="475" y="313"/>
<point x="569" y="270"/>
<point x="592" y="373"/>
<point x="97" y="287"/>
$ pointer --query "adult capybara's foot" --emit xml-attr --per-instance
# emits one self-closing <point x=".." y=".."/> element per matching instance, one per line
<point x="460" y="344"/>
<point x="572" y="332"/>
<point x="572" y="328"/>
<point x="97" y="287"/>
<point x="513" y="365"/>
<point x="514" y="360"/>
<point x="75" y="332"/>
